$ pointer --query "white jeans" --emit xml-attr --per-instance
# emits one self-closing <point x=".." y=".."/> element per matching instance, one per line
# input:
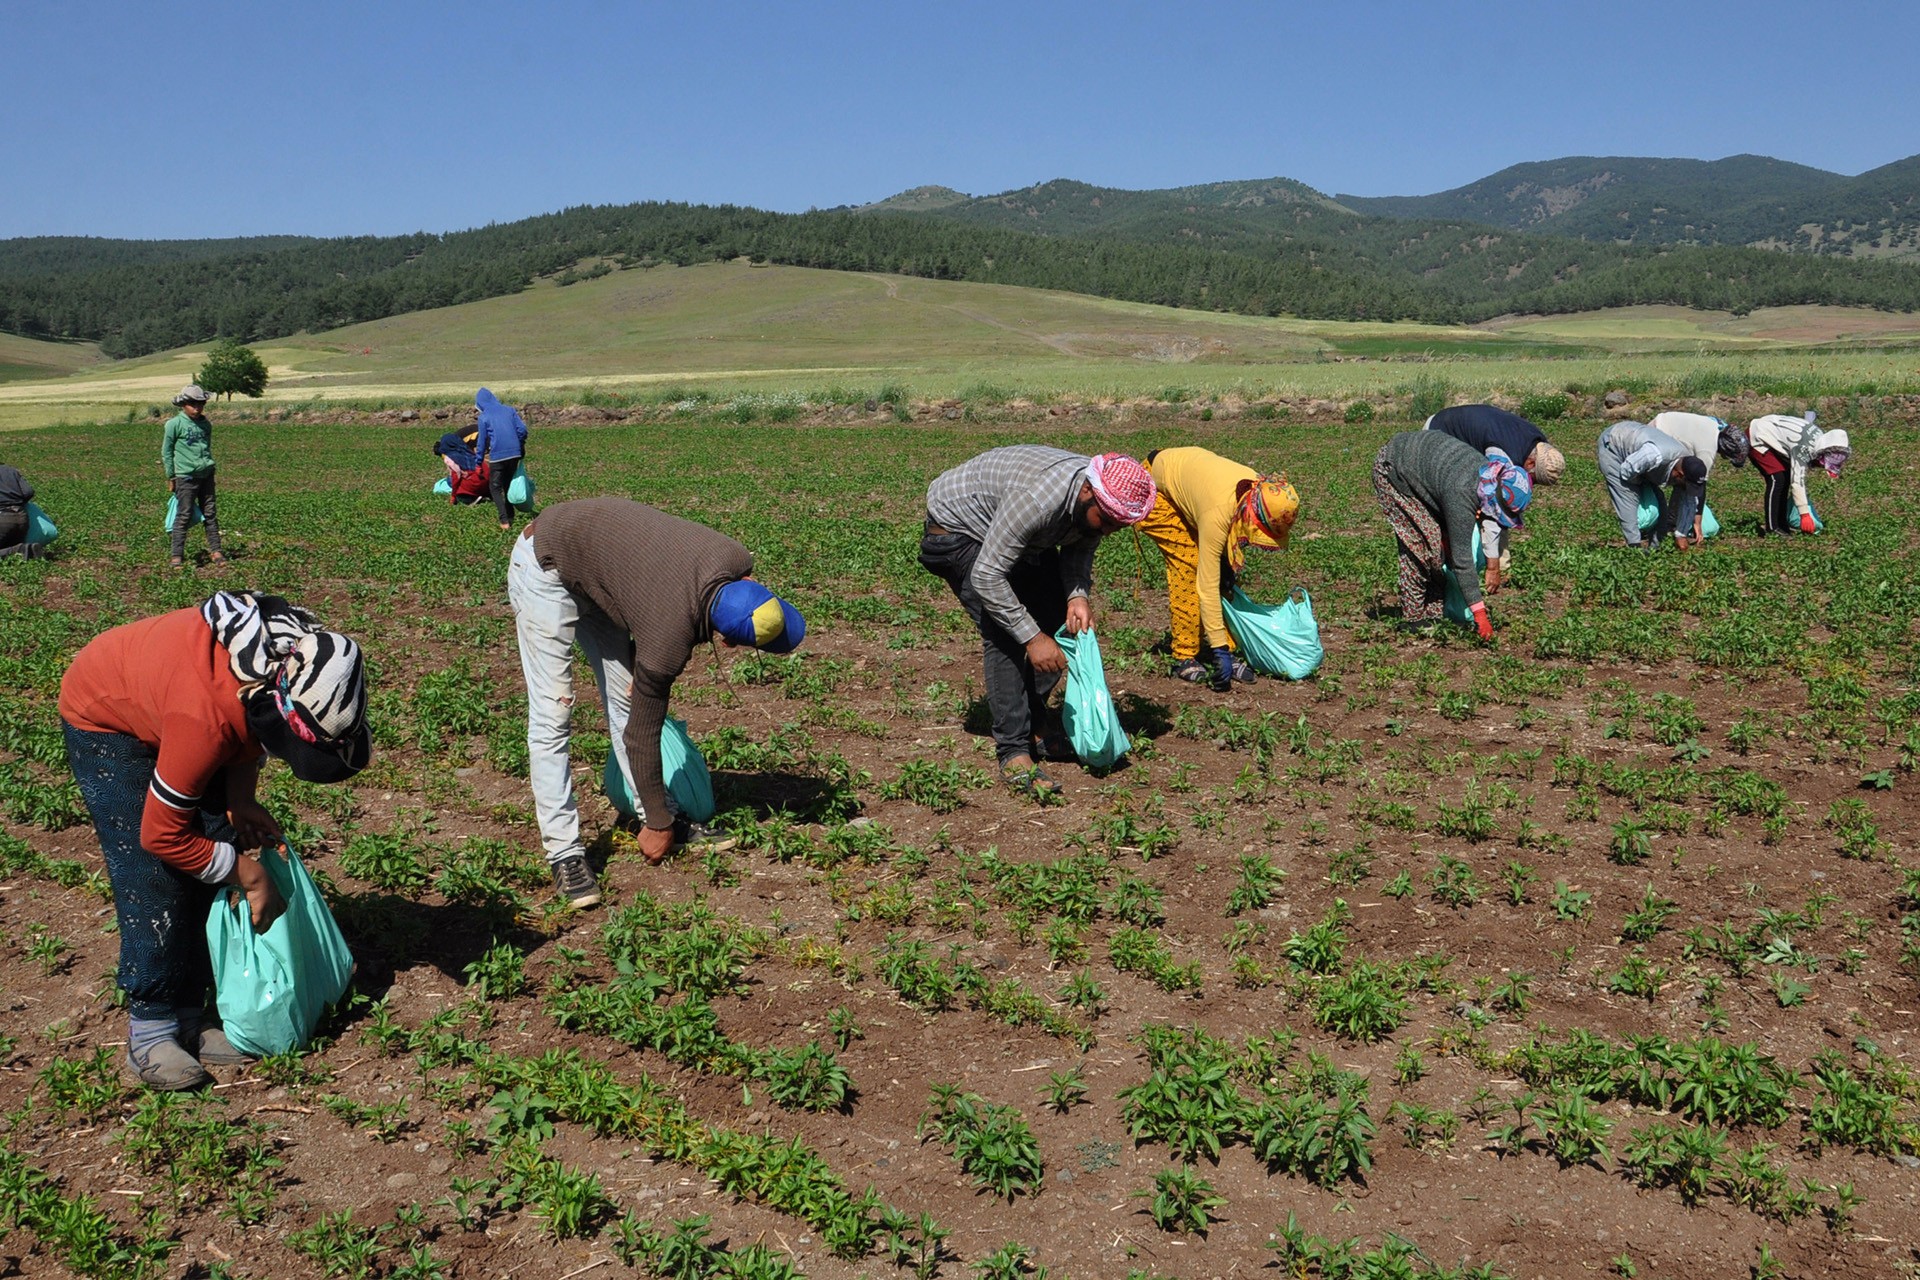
<point x="548" y="619"/>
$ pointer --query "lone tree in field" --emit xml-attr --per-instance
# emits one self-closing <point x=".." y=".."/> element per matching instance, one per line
<point x="231" y="367"/>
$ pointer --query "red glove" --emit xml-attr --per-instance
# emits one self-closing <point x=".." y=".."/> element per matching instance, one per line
<point x="1806" y="522"/>
<point x="1482" y="623"/>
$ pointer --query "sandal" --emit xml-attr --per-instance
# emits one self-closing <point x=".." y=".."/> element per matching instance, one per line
<point x="1055" y="747"/>
<point x="214" y="557"/>
<point x="176" y="562"/>
<point x="1028" y="779"/>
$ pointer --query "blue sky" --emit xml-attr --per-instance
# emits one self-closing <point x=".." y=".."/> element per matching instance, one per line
<point x="209" y="119"/>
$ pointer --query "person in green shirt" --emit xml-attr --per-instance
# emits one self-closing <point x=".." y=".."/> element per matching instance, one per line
<point x="186" y="455"/>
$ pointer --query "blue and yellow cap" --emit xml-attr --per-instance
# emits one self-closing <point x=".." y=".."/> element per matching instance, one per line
<point x="744" y="612"/>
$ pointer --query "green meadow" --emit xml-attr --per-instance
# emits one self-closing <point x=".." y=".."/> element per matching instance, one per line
<point x="720" y="329"/>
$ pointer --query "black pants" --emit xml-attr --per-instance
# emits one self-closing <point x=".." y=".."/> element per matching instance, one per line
<point x="1779" y="500"/>
<point x="188" y="491"/>
<point x="13" y="533"/>
<point x="1016" y="693"/>
<point x="500" y="474"/>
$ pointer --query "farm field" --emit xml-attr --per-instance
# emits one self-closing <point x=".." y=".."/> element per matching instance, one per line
<point x="1593" y="951"/>
<point x="727" y="329"/>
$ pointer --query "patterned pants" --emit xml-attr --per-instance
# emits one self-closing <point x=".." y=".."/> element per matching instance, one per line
<point x="1182" y="554"/>
<point x="1423" y="549"/>
<point x="162" y="912"/>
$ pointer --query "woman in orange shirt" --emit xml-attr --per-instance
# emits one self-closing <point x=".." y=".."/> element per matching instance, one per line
<point x="166" y="723"/>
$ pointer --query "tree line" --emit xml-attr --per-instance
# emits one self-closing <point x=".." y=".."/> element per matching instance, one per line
<point x="133" y="301"/>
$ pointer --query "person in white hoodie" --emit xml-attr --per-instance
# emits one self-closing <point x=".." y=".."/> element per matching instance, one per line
<point x="1783" y="448"/>
<point x="1708" y="439"/>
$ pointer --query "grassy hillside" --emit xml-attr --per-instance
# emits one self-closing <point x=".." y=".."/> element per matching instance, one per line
<point x="727" y="328"/>
<point x="25" y="358"/>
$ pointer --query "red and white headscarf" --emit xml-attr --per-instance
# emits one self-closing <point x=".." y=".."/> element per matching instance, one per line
<point x="1122" y="487"/>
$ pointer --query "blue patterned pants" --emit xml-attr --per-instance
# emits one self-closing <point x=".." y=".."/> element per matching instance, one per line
<point x="162" y="911"/>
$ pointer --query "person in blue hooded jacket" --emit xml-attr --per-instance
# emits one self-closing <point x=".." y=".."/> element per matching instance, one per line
<point x="501" y="444"/>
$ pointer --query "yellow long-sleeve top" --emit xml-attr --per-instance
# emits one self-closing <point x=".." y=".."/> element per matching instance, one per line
<point x="1200" y="485"/>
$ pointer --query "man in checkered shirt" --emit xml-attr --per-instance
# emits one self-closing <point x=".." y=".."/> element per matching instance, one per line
<point x="1013" y="532"/>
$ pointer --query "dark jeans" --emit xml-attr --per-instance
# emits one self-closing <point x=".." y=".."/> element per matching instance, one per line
<point x="1777" y="504"/>
<point x="162" y="912"/>
<point x="188" y="491"/>
<point x="13" y="532"/>
<point x="499" y="475"/>
<point x="1016" y="693"/>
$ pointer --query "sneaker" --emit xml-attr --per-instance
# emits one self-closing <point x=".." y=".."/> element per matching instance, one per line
<point x="698" y="837"/>
<point x="1193" y="671"/>
<point x="1243" y="673"/>
<point x="215" y="1050"/>
<point x="165" y="1065"/>
<point x="574" y="878"/>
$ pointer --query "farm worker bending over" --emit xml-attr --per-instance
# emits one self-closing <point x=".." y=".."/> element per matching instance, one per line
<point x="500" y="444"/>
<point x="1209" y="510"/>
<point x="15" y="494"/>
<point x="1633" y="456"/>
<point x="165" y="721"/>
<point x="1783" y="445"/>
<point x="1013" y="532"/>
<point x="466" y="474"/>
<point x="639" y="590"/>
<point x="1433" y="489"/>
<point x="186" y="455"/>
<point x="1494" y="431"/>
<point x="1708" y="439"/>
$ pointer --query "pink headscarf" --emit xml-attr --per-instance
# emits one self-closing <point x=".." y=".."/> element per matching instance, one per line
<point x="1122" y="487"/>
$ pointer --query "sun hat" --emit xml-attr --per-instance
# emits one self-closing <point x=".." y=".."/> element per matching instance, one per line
<point x="1123" y="488"/>
<point x="1549" y="464"/>
<point x="312" y="713"/>
<point x="1504" y="491"/>
<point x="744" y="612"/>
<point x="190" y="394"/>
<point x="1265" y="516"/>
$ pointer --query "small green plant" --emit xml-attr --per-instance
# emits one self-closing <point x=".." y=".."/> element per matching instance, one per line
<point x="1065" y="1090"/>
<point x="1258" y="880"/>
<point x="1181" y="1200"/>
<point x="992" y="1143"/>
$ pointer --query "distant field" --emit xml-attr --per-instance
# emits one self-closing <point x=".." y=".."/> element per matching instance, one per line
<point x="726" y="328"/>
<point x="22" y="359"/>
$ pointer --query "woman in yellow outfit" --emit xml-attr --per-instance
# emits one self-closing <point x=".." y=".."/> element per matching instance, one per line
<point x="1209" y="510"/>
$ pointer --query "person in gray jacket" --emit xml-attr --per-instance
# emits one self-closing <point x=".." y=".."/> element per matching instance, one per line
<point x="1433" y="490"/>
<point x="1634" y="456"/>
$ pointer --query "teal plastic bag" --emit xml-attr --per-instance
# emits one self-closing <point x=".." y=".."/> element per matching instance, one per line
<point x="1793" y="516"/>
<point x="173" y="509"/>
<point x="40" y="530"/>
<point x="1276" y="640"/>
<point x="520" y="489"/>
<point x="1088" y="715"/>
<point x="273" y="988"/>
<point x="443" y="487"/>
<point x="1650" y="514"/>
<point x="1456" y="601"/>
<point x="689" y="785"/>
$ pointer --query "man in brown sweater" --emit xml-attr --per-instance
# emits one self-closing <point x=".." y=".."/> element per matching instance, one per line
<point x="639" y="590"/>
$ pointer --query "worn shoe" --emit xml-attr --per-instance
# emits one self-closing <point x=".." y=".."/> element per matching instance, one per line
<point x="575" y="879"/>
<point x="215" y="1050"/>
<point x="1055" y="748"/>
<point x="1193" y="671"/>
<point x="1242" y="673"/>
<point x="698" y="837"/>
<point x="176" y="562"/>
<point x="166" y="1065"/>
<point x="214" y="557"/>
<point x="1027" y="778"/>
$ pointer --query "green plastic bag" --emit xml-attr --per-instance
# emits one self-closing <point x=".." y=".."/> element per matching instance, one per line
<point x="40" y="530"/>
<point x="173" y="509"/>
<point x="520" y="489"/>
<point x="1650" y="515"/>
<point x="1456" y="601"/>
<point x="273" y="988"/>
<point x="1793" y="516"/>
<point x="1091" y="720"/>
<point x="1276" y="640"/>
<point x="689" y="785"/>
<point x="443" y="487"/>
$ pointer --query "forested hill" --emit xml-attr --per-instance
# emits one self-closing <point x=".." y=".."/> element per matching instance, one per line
<point x="1264" y="248"/>
<point x="1741" y="200"/>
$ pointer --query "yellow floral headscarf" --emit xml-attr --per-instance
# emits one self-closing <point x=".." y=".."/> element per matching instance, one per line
<point x="1264" y="519"/>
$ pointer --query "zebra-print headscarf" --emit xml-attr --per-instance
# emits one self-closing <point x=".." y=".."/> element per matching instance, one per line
<point x="257" y="631"/>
